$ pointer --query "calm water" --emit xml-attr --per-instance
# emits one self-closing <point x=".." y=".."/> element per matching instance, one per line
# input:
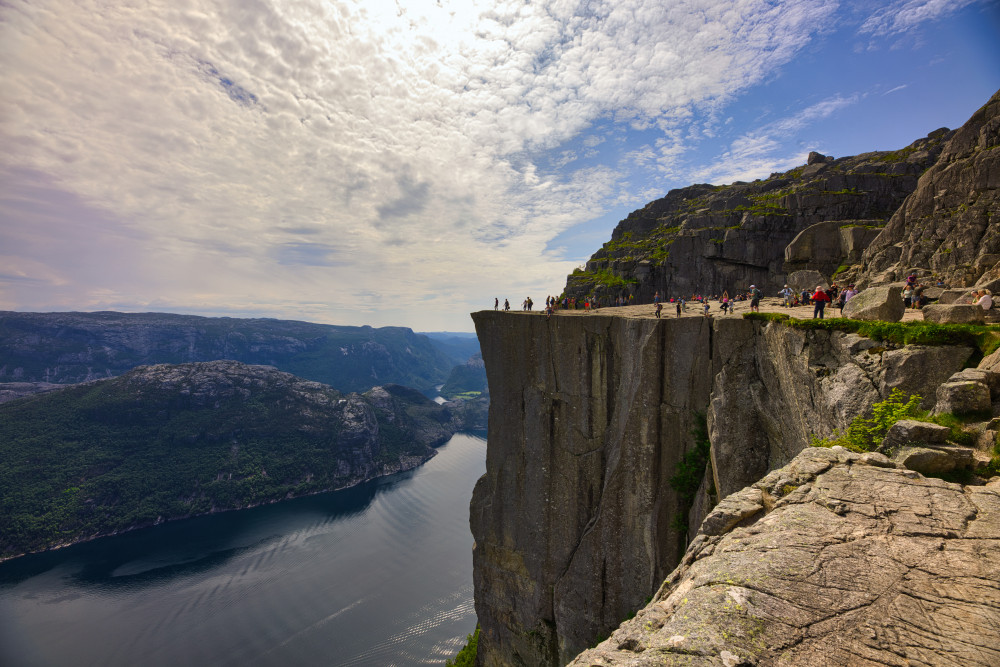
<point x="380" y="574"/>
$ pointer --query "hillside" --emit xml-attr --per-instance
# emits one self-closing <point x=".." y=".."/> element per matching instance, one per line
<point x="170" y="441"/>
<point x="75" y="347"/>
<point x="707" y="239"/>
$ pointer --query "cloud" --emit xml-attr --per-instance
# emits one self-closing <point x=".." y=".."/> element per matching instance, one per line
<point x="759" y="153"/>
<point x="904" y="16"/>
<point x="280" y="158"/>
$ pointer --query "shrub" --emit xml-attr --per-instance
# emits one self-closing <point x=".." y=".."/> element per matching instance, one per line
<point x="467" y="656"/>
<point x="865" y="434"/>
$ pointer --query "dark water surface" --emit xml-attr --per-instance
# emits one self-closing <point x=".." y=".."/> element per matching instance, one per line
<point x="380" y="574"/>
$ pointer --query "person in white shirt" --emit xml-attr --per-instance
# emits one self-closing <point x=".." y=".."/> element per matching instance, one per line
<point x="985" y="300"/>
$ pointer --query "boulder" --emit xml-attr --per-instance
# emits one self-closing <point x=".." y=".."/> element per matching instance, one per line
<point x="883" y="303"/>
<point x="991" y="362"/>
<point x="934" y="460"/>
<point x="953" y="313"/>
<point x="962" y="398"/>
<point x="954" y="295"/>
<point x="856" y="562"/>
<point x="907" y="431"/>
<point x="988" y="377"/>
<point x="808" y="279"/>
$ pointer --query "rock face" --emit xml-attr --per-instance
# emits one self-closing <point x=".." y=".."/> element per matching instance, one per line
<point x="707" y="239"/>
<point x="77" y="347"/>
<point x="589" y="418"/>
<point x="949" y="225"/>
<point x="811" y="566"/>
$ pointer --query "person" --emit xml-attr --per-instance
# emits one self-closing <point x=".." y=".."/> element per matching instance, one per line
<point x="496" y="303"/>
<point x="656" y="297"/>
<point x="506" y="305"/>
<point x="786" y="295"/>
<point x="985" y="299"/>
<point x="908" y="294"/>
<point x="548" y="312"/>
<point x="754" y="299"/>
<point x="659" y="307"/>
<point x="679" y="307"/>
<point x="805" y="297"/>
<point x="706" y="307"/>
<point x="851" y="292"/>
<point x="842" y="301"/>
<point x="820" y="299"/>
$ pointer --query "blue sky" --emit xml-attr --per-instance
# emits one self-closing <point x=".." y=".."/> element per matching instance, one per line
<point x="403" y="162"/>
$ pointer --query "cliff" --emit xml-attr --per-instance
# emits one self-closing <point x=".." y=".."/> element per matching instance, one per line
<point x="950" y="225"/>
<point x="171" y="441"/>
<point x="576" y="521"/>
<point x="77" y="347"/>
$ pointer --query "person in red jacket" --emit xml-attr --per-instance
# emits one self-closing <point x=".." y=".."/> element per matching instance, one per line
<point x="820" y="299"/>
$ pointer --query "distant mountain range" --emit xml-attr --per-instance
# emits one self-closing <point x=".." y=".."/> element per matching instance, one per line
<point x="170" y="441"/>
<point x="74" y="347"/>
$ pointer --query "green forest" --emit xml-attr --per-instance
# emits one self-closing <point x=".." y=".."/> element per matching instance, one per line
<point x="166" y="442"/>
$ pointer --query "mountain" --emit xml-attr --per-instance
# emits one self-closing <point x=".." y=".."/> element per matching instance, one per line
<point x="468" y="379"/>
<point x="170" y="441"/>
<point x="706" y="239"/>
<point x="460" y="347"/>
<point x="76" y="347"/>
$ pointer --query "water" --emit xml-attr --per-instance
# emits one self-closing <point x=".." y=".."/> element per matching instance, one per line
<point x="380" y="574"/>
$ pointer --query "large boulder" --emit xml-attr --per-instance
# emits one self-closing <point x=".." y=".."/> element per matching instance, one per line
<point x="911" y="431"/>
<point x="934" y="460"/>
<point x="953" y="313"/>
<point x="961" y="398"/>
<point x="883" y="303"/>
<point x="835" y="559"/>
<point x="991" y="362"/>
<point x="807" y="279"/>
<point x="954" y="295"/>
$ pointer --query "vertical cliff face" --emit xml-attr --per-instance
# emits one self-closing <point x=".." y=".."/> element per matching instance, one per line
<point x="588" y="419"/>
<point x="590" y="415"/>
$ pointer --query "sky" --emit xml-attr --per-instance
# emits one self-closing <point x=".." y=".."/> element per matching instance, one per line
<point x="403" y="162"/>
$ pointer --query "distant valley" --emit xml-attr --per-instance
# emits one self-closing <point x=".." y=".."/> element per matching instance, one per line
<point x="114" y="421"/>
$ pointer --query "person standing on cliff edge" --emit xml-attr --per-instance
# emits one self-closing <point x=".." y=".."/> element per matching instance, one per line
<point x="496" y="303"/>
<point x="820" y="299"/>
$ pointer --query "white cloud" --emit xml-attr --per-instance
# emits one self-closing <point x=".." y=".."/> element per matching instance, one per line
<point x="762" y="152"/>
<point x="330" y="160"/>
<point x="905" y="15"/>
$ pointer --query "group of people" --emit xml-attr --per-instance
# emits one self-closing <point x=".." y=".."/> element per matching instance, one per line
<point x="913" y="297"/>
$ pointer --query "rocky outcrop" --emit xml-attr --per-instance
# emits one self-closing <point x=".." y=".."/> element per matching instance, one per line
<point x="949" y="225"/>
<point x="780" y="386"/>
<point x="835" y="559"/>
<point x="589" y="419"/>
<point x="706" y="239"/>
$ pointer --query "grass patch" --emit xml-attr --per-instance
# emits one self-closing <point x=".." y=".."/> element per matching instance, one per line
<point x="865" y="434"/>
<point x="985" y="338"/>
